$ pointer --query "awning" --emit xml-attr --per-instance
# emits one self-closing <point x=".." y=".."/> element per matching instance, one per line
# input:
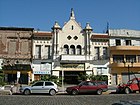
<point x="17" y="67"/>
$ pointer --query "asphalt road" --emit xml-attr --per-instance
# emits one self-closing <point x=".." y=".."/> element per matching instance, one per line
<point x="105" y="99"/>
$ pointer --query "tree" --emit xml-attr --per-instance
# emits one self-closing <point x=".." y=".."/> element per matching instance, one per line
<point x="83" y="76"/>
<point x="48" y="77"/>
<point x="1" y="77"/>
<point x="99" y="77"/>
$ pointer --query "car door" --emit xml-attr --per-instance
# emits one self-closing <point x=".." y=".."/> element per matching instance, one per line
<point x="134" y="85"/>
<point x="38" y="87"/>
<point x="102" y="85"/>
<point x="48" y="86"/>
<point x="87" y="87"/>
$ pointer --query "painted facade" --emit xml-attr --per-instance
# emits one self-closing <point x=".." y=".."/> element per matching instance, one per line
<point x="124" y="55"/>
<point x="42" y="54"/>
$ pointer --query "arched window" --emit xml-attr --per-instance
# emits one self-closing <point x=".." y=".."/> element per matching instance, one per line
<point x="66" y="49"/>
<point x="79" y="50"/>
<point x="72" y="49"/>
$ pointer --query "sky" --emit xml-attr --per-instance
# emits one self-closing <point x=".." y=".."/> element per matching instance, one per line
<point x="42" y="14"/>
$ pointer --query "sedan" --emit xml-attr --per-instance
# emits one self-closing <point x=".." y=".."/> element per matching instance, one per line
<point x="88" y="87"/>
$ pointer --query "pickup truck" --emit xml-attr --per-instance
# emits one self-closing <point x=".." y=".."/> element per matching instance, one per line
<point x="132" y="86"/>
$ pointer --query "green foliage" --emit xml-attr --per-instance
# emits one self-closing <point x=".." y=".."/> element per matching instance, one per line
<point x="2" y="78"/>
<point x="53" y="78"/>
<point x="47" y="77"/>
<point x="98" y="77"/>
<point x="83" y="77"/>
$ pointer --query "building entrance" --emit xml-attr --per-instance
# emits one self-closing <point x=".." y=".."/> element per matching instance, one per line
<point x="12" y="78"/>
<point x="72" y="77"/>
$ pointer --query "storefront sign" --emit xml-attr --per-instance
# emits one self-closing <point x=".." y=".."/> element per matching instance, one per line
<point x="43" y="68"/>
<point x="73" y="66"/>
<point x="41" y="72"/>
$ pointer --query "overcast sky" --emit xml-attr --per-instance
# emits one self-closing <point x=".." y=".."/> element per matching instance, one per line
<point x="42" y="14"/>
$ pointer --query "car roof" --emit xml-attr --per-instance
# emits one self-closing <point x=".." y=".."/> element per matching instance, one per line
<point x="44" y="81"/>
<point x="136" y="78"/>
<point x="93" y="81"/>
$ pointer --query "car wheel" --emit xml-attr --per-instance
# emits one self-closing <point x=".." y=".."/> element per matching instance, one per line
<point x="27" y="92"/>
<point x="52" y="92"/>
<point x="118" y="91"/>
<point x="127" y="90"/>
<point x="99" y="92"/>
<point x="74" y="92"/>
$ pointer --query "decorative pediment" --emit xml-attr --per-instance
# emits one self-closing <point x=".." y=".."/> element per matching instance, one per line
<point x="72" y="25"/>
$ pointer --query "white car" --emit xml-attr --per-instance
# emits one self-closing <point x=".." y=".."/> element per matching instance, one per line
<point x="40" y="87"/>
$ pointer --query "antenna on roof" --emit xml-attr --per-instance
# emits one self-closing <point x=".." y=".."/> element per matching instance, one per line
<point x="107" y="27"/>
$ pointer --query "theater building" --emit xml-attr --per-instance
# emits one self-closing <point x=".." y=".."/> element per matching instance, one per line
<point x="77" y="50"/>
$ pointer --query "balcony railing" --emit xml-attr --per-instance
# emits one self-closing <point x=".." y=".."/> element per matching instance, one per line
<point x="125" y="48"/>
<point x="75" y="58"/>
<point x="104" y="57"/>
<point x="136" y="64"/>
<point x="41" y="57"/>
<point x="82" y="58"/>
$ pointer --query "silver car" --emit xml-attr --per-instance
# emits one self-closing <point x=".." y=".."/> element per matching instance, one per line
<point x="40" y="87"/>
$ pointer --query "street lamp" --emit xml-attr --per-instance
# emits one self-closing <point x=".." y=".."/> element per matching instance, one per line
<point x="128" y="68"/>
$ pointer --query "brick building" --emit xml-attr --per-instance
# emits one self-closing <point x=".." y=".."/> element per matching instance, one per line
<point x="16" y="52"/>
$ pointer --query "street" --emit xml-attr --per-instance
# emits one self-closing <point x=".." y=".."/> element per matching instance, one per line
<point x="60" y="99"/>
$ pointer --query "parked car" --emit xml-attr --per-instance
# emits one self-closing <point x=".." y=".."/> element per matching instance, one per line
<point x="131" y="86"/>
<point x="40" y="87"/>
<point x="88" y="87"/>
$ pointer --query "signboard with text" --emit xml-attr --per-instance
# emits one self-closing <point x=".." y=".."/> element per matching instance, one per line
<point x="73" y="66"/>
<point x="43" y="68"/>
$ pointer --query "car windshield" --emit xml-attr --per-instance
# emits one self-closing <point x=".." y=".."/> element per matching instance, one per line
<point x="81" y="83"/>
<point x="129" y="82"/>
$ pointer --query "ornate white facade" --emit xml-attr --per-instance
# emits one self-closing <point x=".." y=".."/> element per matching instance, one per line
<point x="77" y="51"/>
